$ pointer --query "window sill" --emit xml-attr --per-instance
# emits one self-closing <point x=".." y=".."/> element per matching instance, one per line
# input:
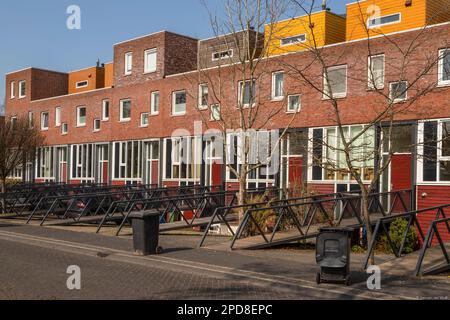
<point x="80" y="126"/>
<point x="146" y="126"/>
<point x="64" y="134"/>
<point x="105" y="120"/>
<point x="46" y="129"/>
<point x="178" y="114"/>
<point x="124" y="120"/>
<point x="95" y="131"/>
<point x="375" y="89"/>
<point x="202" y="108"/>
<point x="22" y="97"/>
<point x="277" y="99"/>
<point x="292" y="112"/>
<point x="443" y="85"/>
<point x="324" y="98"/>
<point x="154" y="114"/>
<point x="149" y="72"/>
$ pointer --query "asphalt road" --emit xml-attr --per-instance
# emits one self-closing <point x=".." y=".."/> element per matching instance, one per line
<point x="34" y="266"/>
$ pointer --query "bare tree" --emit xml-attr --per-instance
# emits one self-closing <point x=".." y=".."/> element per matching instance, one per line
<point x="18" y="143"/>
<point x="410" y="69"/>
<point x="238" y="81"/>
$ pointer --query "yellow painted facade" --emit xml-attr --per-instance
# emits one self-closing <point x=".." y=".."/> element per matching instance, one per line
<point x="320" y="29"/>
<point x="411" y="14"/>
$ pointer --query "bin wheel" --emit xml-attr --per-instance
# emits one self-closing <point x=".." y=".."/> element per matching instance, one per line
<point x="347" y="281"/>
<point x="318" y="278"/>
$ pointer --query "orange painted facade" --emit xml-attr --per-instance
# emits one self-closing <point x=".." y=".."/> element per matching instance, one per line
<point x="86" y="79"/>
<point x="109" y="75"/>
<point x="319" y="29"/>
<point x="400" y="15"/>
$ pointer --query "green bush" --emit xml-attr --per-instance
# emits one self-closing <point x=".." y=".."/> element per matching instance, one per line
<point x="397" y="231"/>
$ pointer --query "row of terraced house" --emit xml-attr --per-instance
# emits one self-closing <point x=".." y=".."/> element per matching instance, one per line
<point x="114" y="123"/>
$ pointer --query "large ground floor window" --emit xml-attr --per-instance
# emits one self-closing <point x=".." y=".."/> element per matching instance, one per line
<point x="328" y="154"/>
<point x="127" y="157"/>
<point x="82" y="162"/>
<point x="183" y="159"/>
<point x="263" y="157"/>
<point x="45" y="163"/>
<point x="434" y="151"/>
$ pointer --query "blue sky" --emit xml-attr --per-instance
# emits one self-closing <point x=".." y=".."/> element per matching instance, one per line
<point x="34" y="33"/>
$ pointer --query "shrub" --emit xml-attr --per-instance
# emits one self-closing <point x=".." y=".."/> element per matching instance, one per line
<point x="397" y="231"/>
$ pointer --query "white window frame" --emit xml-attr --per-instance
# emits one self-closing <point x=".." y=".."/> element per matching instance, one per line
<point x="122" y="119"/>
<point x="128" y="65"/>
<point x="141" y="124"/>
<point x="325" y="82"/>
<point x="202" y="106"/>
<point x="384" y="24"/>
<point x="293" y="42"/>
<point x="31" y="119"/>
<point x="390" y="92"/>
<point x="241" y="86"/>
<point x="213" y="118"/>
<point x="153" y="110"/>
<point x="57" y="116"/>
<point x="274" y="97"/>
<point x="439" y="157"/>
<point x="441" y="67"/>
<point x="64" y="128"/>
<point x="43" y="127"/>
<point x="82" y="84"/>
<point x="174" y="94"/>
<point x="13" y="121"/>
<point x="97" y="120"/>
<point x="299" y="103"/>
<point x="104" y="117"/>
<point x="79" y="124"/>
<point x="230" y="54"/>
<point x="22" y="83"/>
<point x="370" y="72"/>
<point x="13" y="90"/>
<point x="147" y="53"/>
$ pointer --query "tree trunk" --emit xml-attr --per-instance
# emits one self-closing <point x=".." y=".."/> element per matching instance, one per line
<point x="368" y="225"/>
<point x="3" y="200"/>
<point x="242" y="196"/>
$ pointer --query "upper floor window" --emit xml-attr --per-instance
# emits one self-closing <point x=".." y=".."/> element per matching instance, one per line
<point x="335" y="79"/>
<point x="293" y="103"/>
<point x="64" y="128"/>
<point x="293" y="40"/>
<point x="246" y="93"/>
<point x="398" y="91"/>
<point x="81" y="116"/>
<point x="385" y="20"/>
<point x="44" y="120"/>
<point x="105" y="110"/>
<point x="179" y="103"/>
<point x="376" y="72"/>
<point x="154" y="103"/>
<point x="22" y="89"/>
<point x="13" y="122"/>
<point x="222" y="55"/>
<point x="277" y="85"/>
<point x="13" y="90"/>
<point x="125" y="110"/>
<point x="215" y="112"/>
<point x="150" y="60"/>
<point x="31" y="119"/>
<point x="128" y="63"/>
<point x="444" y="67"/>
<point x="82" y="84"/>
<point x="203" y="96"/>
<point x="144" y="120"/>
<point x="57" y="116"/>
<point x="97" y="124"/>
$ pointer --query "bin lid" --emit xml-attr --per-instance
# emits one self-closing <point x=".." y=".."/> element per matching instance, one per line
<point x="143" y="214"/>
<point x="335" y="230"/>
